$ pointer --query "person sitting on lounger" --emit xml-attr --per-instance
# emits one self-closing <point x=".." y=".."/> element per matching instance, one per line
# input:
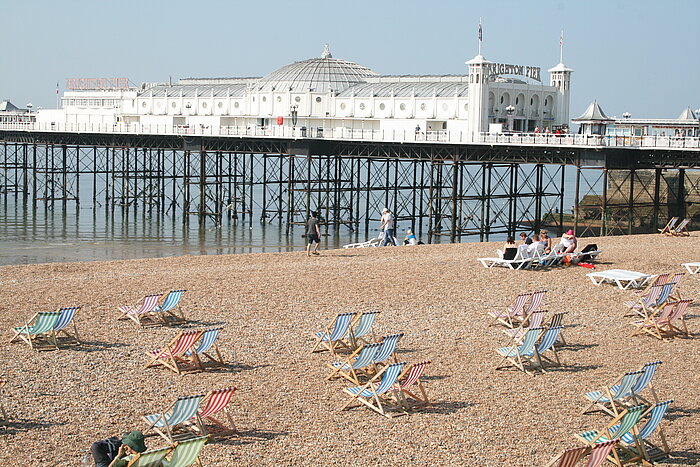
<point x="525" y="239"/>
<point x="410" y="238"/>
<point x="534" y="246"/>
<point x="546" y="241"/>
<point x="132" y="444"/>
<point x="509" y="249"/>
<point x="568" y="243"/>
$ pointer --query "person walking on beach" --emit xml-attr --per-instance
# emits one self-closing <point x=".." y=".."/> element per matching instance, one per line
<point x="388" y="227"/>
<point x="313" y="234"/>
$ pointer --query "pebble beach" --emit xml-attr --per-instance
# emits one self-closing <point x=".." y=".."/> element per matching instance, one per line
<point x="270" y="305"/>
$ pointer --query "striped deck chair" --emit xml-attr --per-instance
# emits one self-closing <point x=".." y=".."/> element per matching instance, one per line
<point x="625" y="422"/>
<point x="39" y="332"/>
<point x="534" y="305"/>
<point x="63" y="324"/>
<point x="535" y="320"/>
<point x="144" y="313"/>
<point x="663" y="298"/>
<point x="173" y="355"/>
<point x="519" y="356"/>
<point x="178" y="420"/>
<point x="168" y="304"/>
<point x="387" y="350"/>
<point x="681" y="230"/>
<point x="644" y="381"/>
<point x="152" y="458"/>
<point x="644" y="301"/>
<point x="648" y="451"/>
<point x="671" y="224"/>
<point x="556" y="321"/>
<point x="332" y="337"/>
<point x="600" y="453"/>
<point x="363" y="328"/>
<point x="676" y="279"/>
<point x="661" y="279"/>
<point x="410" y="377"/>
<point x="662" y="326"/>
<point x="376" y="393"/>
<point x="186" y="453"/>
<point x="355" y="365"/>
<point x="678" y="315"/>
<point x="218" y="401"/>
<point x="507" y="317"/>
<point x="546" y="344"/>
<point x="204" y="348"/>
<point x="619" y="391"/>
<point x="568" y="458"/>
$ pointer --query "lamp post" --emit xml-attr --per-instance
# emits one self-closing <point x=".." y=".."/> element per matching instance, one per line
<point x="293" y="112"/>
<point x="510" y="109"/>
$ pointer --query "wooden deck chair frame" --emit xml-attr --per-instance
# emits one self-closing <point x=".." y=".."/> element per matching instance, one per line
<point x="218" y="402"/>
<point x="41" y="334"/>
<point x="335" y="326"/>
<point x="214" y="359"/>
<point x="548" y="339"/>
<point x="170" y="309"/>
<point x="61" y="326"/>
<point x="568" y="458"/>
<point x="557" y="321"/>
<point x="377" y="400"/>
<point x="383" y="357"/>
<point x="144" y="313"/>
<point x="622" y="387"/>
<point x="659" y="325"/>
<point x="411" y="376"/>
<point x="678" y="314"/>
<point x="149" y="458"/>
<point x="173" y="357"/>
<point x="670" y="225"/>
<point x="519" y="359"/>
<point x="3" y="413"/>
<point x="359" y="363"/>
<point x="178" y="446"/>
<point x="190" y="427"/>
<point x="533" y="320"/>
<point x="537" y="297"/>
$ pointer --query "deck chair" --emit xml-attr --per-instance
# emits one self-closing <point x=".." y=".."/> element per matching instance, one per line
<point x="169" y="307"/>
<point x="520" y="355"/>
<point x="598" y="455"/>
<point x="204" y="349"/>
<point x="623" y="423"/>
<point x="144" y="313"/>
<point x="186" y="453"/>
<point x="332" y="337"/>
<point x="546" y="344"/>
<point x="670" y="225"/>
<point x="411" y="376"/>
<point x="675" y="291"/>
<point x="217" y="402"/>
<point x="534" y="305"/>
<point x="648" y="451"/>
<point x="173" y="356"/>
<point x="507" y="318"/>
<point x="678" y="315"/>
<point x="39" y="332"/>
<point x="661" y="279"/>
<point x="178" y="420"/>
<point x="363" y="328"/>
<point x="681" y="230"/>
<point x="376" y="394"/>
<point x="387" y="350"/>
<point x="353" y="366"/>
<point x="568" y="458"/>
<point x="152" y="458"/>
<point x="534" y="320"/>
<point x="650" y="309"/>
<point x="556" y="321"/>
<point x="619" y="391"/>
<point x="645" y="301"/>
<point x="64" y="322"/>
<point x="662" y="325"/>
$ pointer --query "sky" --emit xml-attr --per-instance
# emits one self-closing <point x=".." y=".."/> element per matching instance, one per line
<point x="636" y="56"/>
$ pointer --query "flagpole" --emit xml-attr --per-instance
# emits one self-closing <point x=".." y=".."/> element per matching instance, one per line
<point x="561" y="47"/>
<point x="480" y="36"/>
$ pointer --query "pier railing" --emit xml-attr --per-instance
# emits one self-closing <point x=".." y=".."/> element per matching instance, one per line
<point x="355" y="134"/>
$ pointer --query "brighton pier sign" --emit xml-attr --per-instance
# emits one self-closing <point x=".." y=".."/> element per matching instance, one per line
<point x="532" y="72"/>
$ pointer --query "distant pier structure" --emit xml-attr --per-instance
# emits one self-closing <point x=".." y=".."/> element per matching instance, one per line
<point x="465" y="157"/>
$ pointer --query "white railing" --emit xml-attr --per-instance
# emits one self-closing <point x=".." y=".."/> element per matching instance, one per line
<point x="358" y="134"/>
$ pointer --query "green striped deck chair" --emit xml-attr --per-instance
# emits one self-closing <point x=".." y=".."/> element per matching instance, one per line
<point x="41" y="333"/>
<point x="624" y="423"/>
<point x="152" y="458"/>
<point x="186" y="453"/>
<point x="648" y="451"/>
<point x="178" y="420"/>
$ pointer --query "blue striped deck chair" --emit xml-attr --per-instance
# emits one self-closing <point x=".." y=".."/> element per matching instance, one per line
<point x="681" y="230"/>
<point x="332" y="337"/>
<point x="648" y="451"/>
<point x="625" y="422"/>
<point x="387" y="350"/>
<point x="39" y="332"/>
<point x="363" y="328"/>
<point x="169" y="307"/>
<point x="671" y="224"/>
<point x="64" y="323"/>
<point x="645" y="380"/>
<point x="152" y="458"/>
<point x="653" y="308"/>
<point x="520" y="355"/>
<point x="186" y="453"/>
<point x="376" y="393"/>
<point x="620" y="390"/>
<point x="178" y="420"/>
<point x="204" y="348"/>
<point x="352" y="367"/>
<point x="546" y="344"/>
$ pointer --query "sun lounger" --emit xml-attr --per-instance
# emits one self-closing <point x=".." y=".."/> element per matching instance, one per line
<point x="692" y="268"/>
<point x="39" y="332"/>
<point x="534" y="320"/>
<point x="172" y="423"/>
<point x="622" y="278"/>
<point x="373" y="242"/>
<point x="521" y="261"/>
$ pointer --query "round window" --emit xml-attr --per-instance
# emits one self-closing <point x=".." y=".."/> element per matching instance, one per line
<point x="402" y="107"/>
<point x="279" y="98"/>
<point x="422" y="106"/>
<point x="382" y="106"/>
<point x="297" y="99"/>
<point x="220" y="105"/>
<point x="236" y="104"/>
<point x="173" y="105"/>
<point x="318" y="99"/>
<point x="445" y="106"/>
<point x="342" y="106"/>
<point x="204" y="105"/>
<point x="362" y="106"/>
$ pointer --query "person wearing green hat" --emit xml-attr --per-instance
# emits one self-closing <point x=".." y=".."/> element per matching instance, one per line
<point x="132" y="444"/>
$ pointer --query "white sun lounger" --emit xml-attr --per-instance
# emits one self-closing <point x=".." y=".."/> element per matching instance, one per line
<point x="622" y="278"/>
<point x="372" y="242"/>
<point x="519" y="262"/>
<point x="692" y="268"/>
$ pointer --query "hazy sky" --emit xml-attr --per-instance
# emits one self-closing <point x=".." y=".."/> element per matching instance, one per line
<point x="638" y="56"/>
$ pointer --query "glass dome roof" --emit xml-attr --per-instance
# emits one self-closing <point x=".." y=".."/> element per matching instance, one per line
<point x="316" y="74"/>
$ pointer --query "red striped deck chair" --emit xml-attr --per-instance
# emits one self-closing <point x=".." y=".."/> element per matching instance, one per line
<point x="218" y="402"/>
<point x="410" y="377"/>
<point x="534" y="305"/>
<point x="661" y="279"/>
<point x="568" y="458"/>
<point x="600" y="453"/>
<point x="173" y="355"/>
<point x="143" y="313"/>
<point x="534" y="320"/>
<point x="507" y="318"/>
